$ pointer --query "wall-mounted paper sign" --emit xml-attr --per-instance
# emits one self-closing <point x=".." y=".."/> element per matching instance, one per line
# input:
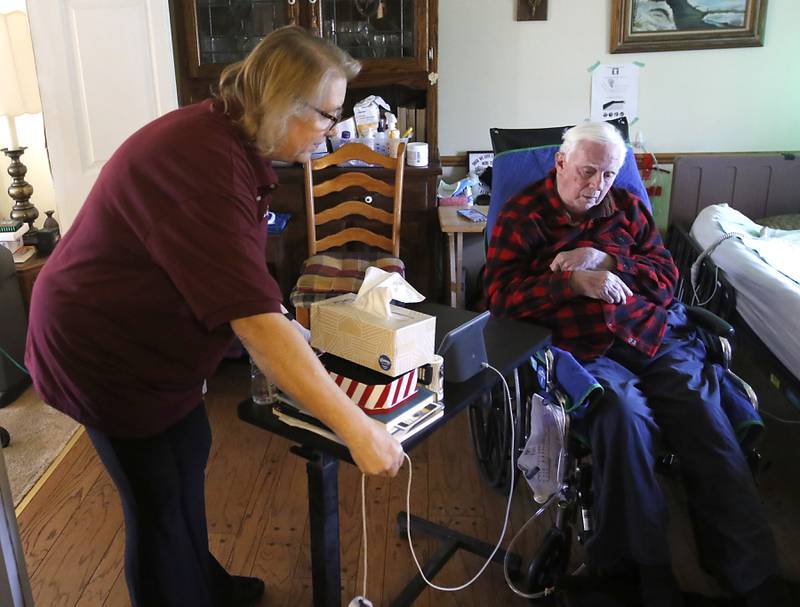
<point x="615" y="91"/>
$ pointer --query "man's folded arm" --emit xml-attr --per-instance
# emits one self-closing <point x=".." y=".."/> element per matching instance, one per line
<point x="514" y="288"/>
<point x="650" y="271"/>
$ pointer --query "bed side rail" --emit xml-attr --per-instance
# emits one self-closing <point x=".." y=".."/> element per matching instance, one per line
<point x="714" y="292"/>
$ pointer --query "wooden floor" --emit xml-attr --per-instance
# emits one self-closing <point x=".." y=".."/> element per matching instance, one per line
<point x="257" y="512"/>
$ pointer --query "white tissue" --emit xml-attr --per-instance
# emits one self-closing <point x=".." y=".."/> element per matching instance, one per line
<point x="380" y="288"/>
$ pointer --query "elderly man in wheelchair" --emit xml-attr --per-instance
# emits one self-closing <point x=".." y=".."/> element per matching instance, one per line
<point x="584" y="258"/>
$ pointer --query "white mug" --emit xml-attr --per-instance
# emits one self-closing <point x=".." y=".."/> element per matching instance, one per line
<point x="432" y="376"/>
<point x="417" y="154"/>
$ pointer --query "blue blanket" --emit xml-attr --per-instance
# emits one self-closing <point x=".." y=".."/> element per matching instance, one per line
<point x="577" y="390"/>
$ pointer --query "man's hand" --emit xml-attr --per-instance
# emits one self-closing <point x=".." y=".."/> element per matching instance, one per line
<point x="601" y="284"/>
<point x="375" y="451"/>
<point x="582" y="258"/>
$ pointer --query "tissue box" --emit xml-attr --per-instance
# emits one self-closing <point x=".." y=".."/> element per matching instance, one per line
<point x="392" y="346"/>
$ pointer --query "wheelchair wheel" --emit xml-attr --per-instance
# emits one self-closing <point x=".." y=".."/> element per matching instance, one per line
<point x="551" y="560"/>
<point x="490" y="428"/>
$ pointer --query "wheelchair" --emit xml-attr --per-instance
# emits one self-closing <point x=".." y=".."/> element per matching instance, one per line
<point x="490" y="429"/>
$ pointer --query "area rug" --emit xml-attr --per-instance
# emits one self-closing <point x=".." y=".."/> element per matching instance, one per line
<point x="38" y="435"/>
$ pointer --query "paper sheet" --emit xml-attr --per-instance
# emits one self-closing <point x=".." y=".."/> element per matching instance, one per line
<point x="615" y="91"/>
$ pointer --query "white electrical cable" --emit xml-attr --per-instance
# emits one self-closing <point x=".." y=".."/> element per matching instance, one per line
<point x="695" y="269"/>
<point x="563" y="427"/>
<point x="509" y="583"/>
<point x="364" y="528"/>
<point x="507" y="395"/>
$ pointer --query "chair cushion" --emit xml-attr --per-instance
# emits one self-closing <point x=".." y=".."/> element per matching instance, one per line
<point x="336" y="272"/>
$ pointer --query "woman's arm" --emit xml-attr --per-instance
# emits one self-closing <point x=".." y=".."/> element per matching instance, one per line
<point x="282" y="354"/>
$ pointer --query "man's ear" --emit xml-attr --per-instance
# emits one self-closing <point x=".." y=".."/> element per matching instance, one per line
<point x="560" y="158"/>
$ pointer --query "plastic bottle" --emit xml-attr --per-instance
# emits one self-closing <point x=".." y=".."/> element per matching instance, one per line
<point x="369" y="139"/>
<point x="261" y="391"/>
<point x="468" y="195"/>
<point x="394" y="142"/>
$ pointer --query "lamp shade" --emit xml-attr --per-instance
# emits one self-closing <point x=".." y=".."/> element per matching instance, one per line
<point x="19" y="89"/>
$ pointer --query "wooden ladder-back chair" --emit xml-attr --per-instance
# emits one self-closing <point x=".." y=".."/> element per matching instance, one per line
<point x="332" y="267"/>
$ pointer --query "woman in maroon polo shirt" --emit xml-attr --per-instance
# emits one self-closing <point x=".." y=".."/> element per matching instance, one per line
<point x="163" y="265"/>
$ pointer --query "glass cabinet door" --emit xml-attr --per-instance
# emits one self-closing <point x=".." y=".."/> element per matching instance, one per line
<point x="227" y="30"/>
<point x="384" y="30"/>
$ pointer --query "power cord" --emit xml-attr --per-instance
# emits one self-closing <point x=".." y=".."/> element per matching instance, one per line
<point x="361" y="600"/>
<point x="695" y="269"/>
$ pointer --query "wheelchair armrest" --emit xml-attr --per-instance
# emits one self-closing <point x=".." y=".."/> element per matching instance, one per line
<point x="710" y="322"/>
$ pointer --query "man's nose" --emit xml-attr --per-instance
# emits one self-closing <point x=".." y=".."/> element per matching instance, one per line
<point x="596" y="181"/>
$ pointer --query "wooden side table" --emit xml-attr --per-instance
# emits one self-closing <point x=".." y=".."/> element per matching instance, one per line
<point x="455" y="227"/>
<point x="27" y="273"/>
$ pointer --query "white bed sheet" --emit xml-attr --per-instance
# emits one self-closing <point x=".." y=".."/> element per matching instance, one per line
<point x="768" y="301"/>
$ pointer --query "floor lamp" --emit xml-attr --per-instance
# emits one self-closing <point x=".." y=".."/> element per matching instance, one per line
<point x="19" y="94"/>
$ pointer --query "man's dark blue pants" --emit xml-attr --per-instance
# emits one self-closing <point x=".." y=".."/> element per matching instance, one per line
<point x="672" y="400"/>
<point x="161" y="482"/>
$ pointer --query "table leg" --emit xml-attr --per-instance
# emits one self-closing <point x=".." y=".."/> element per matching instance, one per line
<point x="453" y="276"/>
<point x="459" y="270"/>
<point x="323" y="511"/>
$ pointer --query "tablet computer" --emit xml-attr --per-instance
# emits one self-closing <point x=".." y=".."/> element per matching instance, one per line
<point x="464" y="349"/>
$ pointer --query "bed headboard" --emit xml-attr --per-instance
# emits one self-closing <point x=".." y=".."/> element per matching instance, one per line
<point x="758" y="185"/>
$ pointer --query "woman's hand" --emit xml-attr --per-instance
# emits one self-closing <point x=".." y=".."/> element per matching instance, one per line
<point x="374" y="450"/>
<point x="284" y="356"/>
<point x="602" y="284"/>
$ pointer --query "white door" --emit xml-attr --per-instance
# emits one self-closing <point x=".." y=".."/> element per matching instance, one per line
<point x="105" y="68"/>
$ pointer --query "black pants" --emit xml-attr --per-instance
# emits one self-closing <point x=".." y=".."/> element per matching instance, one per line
<point x="161" y="481"/>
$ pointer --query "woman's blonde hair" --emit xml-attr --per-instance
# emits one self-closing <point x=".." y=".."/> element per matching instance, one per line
<point x="286" y="73"/>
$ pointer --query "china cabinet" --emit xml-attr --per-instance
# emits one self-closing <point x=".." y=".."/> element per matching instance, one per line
<point x="395" y="40"/>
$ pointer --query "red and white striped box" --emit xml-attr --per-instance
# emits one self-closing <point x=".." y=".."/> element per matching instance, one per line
<point x="378" y="397"/>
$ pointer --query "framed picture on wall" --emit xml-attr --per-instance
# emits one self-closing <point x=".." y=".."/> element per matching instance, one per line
<point x="673" y="25"/>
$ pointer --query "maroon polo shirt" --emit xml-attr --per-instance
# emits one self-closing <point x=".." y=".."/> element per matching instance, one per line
<point x="132" y="310"/>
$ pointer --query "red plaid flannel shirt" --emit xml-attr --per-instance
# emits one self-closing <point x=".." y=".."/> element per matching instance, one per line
<point x="533" y="228"/>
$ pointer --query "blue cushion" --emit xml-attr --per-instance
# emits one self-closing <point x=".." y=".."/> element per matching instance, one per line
<point x="515" y="170"/>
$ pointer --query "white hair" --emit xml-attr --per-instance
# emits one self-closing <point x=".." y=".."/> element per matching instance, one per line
<point x="597" y="132"/>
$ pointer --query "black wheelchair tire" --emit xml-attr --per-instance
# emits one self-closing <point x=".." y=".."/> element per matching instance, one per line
<point x="490" y="430"/>
<point x="551" y="560"/>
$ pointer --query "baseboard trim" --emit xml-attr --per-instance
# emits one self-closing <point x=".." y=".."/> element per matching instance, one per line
<point x="50" y="469"/>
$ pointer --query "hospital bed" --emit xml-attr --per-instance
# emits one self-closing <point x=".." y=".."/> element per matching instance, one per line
<point x="756" y="297"/>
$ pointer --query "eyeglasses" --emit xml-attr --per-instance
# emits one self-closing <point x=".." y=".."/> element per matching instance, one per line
<point x="333" y="118"/>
